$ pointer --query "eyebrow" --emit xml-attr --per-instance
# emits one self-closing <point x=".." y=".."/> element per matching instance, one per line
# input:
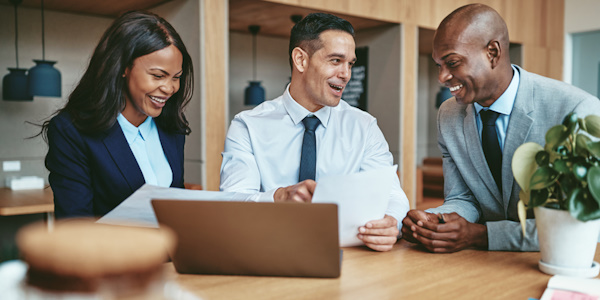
<point x="339" y="55"/>
<point x="165" y="72"/>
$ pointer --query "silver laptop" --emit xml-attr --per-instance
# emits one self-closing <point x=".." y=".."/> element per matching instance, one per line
<point x="249" y="238"/>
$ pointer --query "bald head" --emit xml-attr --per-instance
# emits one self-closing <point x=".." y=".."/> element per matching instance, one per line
<point x="470" y="48"/>
<point x="476" y="24"/>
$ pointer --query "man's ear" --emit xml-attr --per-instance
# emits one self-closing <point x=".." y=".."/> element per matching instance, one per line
<point x="299" y="59"/>
<point x="494" y="52"/>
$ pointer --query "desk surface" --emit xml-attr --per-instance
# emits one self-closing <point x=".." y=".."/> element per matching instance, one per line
<point x="26" y="201"/>
<point x="406" y="272"/>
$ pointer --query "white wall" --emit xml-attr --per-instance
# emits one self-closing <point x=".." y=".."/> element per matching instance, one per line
<point x="272" y="68"/>
<point x="383" y="95"/>
<point x="70" y="40"/>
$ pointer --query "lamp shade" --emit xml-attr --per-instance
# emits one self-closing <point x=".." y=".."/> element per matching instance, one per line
<point x="14" y="85"/>
<point x="44" y="79"/>
<point x="255" y="94"/>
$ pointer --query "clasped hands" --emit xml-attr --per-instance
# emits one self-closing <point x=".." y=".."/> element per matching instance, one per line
<point x="443" y="232"/>
<point x="379" y="235"/>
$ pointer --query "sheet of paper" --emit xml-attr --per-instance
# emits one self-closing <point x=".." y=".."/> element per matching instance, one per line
<point x="360" y="197"/>
<point x="573" y="288"/>
<point x="137" y="209"/>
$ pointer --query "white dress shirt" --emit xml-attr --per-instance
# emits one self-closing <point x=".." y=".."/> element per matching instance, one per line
<point x="263" y="148"/>
<point x="503" y="105"/>
<point x="147" y="150"/>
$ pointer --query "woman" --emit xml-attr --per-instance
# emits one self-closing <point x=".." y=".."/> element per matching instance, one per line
<point x="123" y="125"/>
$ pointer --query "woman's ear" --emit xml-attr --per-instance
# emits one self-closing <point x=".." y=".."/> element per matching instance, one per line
<point x="494" y="52"/>
<point x="299" y="59"/>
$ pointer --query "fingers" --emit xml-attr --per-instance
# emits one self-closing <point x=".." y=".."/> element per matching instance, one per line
<point x="378" y="243"/>
<point x="387" y="221"/>
<point x="300" y="192"/>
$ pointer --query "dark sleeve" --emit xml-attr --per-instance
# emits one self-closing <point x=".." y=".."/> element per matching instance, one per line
<point x="68" y="163"/>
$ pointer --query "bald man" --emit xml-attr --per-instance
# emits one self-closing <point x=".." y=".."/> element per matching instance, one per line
<point x="496" y="108"/>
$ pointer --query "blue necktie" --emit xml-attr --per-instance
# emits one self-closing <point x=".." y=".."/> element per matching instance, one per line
<point x="308" y="158"/>
<point x="491" y="146"/>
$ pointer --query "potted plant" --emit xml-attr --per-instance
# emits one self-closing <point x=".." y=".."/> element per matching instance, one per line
<point x="561" y="182"/>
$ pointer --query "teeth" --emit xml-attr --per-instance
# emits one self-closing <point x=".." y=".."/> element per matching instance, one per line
<point x="159" y="100"/>
<point x="455" y="88"/>
<point x="337" y="87"/>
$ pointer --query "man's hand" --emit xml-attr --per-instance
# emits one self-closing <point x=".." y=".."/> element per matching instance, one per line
<point x="299" y="192"/>
<point x="454" y="235"/>
<point x="380" y="235"/>
<point x="413" y="219"/>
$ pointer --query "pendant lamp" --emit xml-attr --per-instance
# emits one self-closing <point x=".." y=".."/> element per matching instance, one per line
<point x="254" y="94"/>
<point x="43" y="78"/>
<point x="14" y="84"/>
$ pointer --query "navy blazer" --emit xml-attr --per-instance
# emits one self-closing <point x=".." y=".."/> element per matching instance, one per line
<point x="92" y="174"/>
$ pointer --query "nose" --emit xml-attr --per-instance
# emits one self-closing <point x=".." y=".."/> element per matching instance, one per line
<point x="168" y="87"/>
<point x="345" y="73"/>
<point x="444" y="75"/>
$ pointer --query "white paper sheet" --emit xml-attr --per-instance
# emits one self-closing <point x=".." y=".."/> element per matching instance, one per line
<point x="137" y="209"/>
<point x="360" y="197"/>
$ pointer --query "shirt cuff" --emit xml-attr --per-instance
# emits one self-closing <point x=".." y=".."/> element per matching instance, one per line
<point x="265" y="196"/>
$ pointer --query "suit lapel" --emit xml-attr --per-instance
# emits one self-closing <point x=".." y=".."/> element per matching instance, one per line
<point x="121" y="153"/>
<point x="519" y="127"/>
<point x="169" y="145"/>
<point x="476" y="152"/>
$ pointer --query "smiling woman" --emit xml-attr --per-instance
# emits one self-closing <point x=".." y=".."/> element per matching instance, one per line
<point x="123" y="125"/>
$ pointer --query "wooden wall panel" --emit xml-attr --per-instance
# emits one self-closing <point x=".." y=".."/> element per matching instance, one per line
<point x="408" y="110"/>
<point x="214" y="61"/>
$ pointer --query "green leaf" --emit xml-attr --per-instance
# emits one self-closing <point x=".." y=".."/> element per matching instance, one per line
<point x="560" y="165"/>
<point x="542" y="158"/>
<point x="582" y="124"/>
<point x="594" y="148"/>
<point x="543" y="178"/>
<point x="593" y="180"/>
<point x="570" y="121"/>
<point x="523" y="163"/>
<point x="581" y="145"/>
<point x="582" y="206"/>
<point x="522" y="212"/>
<point x="580" y="171"/>
<point x="538" y="197"/>
<point x="556" y="136"/>
<point x="592" y="125"/>
<point x="568" y="182"/>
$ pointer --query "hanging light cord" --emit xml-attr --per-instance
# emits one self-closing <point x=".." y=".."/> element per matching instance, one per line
<point x="16" y="36"/>
<point x="254" y="57"/>
<point x="43" y="41"/>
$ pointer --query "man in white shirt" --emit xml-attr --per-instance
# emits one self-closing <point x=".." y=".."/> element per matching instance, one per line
<point x="264" y="150"/>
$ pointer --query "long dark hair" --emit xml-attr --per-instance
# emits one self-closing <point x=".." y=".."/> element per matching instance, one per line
<point x="99" y="97"/>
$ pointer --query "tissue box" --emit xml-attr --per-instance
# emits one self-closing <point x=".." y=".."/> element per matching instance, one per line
<point x="25" y="183"/>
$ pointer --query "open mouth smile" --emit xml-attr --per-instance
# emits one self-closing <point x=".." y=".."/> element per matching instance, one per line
<point x="157" y="99"/>
<point x="338" y="88"/>
<point x="455" y="88"/>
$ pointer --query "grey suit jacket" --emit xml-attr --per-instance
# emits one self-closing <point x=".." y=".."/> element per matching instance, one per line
<point x="469" y="187"/>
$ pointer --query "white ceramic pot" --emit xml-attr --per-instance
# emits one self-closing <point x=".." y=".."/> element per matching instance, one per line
<point x="566" y="243"/>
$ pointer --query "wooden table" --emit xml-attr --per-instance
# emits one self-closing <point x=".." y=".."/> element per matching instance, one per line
<point x="24" y="202"/>
<point x="406" y="272"/>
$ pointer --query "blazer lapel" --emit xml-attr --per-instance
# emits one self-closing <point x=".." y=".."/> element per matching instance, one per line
<point x="121" y="153"/>
<point x="476" y="152"/>
<point x="519" y="126"/>
<point x="169" y="145"/>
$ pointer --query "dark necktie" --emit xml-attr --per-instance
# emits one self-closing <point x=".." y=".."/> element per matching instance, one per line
<point x="491" y="146"/>
<point x="308" y="158"/>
